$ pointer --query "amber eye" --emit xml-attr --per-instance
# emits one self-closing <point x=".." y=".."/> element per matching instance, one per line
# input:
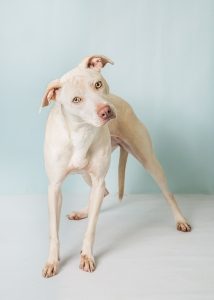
<point x="98" y="84"/>
<point x="76" y="100"/>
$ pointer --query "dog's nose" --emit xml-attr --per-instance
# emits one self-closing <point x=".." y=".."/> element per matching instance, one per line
<point x="106" y="113"/>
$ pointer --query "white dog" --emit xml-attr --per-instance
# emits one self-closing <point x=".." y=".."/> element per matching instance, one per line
<point x="76" y="141"/>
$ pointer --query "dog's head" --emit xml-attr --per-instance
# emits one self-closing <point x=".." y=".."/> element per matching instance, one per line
<point x="94" y="63"/>
<point x="80" y="93"/>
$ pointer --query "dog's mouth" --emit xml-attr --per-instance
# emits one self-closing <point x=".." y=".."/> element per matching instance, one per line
<point x="111" y="116"/>
<point x="102" y="122"/>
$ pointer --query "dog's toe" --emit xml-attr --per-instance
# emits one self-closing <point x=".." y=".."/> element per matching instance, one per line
<point x="184" y="227"/>
<point x="77" y="216"/>
<point x="87" y="264"/>
<point x="50" y="269"/>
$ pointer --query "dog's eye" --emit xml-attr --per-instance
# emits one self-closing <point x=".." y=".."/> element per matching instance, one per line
<point x="76" y="100"/>
<point x="98" y="84"/>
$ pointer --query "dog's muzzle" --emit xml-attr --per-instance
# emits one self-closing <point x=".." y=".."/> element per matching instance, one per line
<point x="106" y="113"/>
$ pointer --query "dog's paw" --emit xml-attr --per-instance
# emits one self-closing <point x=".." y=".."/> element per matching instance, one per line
<point x="183" y="226"/>
<point x="75" y="215"/>
<point x="87" y="263"/>
<point x="50" y="269"/>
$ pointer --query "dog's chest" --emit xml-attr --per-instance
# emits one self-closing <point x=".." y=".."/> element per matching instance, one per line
<point x="80" y="143"/>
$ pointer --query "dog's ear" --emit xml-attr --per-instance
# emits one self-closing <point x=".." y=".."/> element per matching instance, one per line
<point x="51" y="92"/>
<point x="96" y="62"/>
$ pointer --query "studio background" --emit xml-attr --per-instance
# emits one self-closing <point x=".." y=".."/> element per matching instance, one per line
<point x="164" y="67"/>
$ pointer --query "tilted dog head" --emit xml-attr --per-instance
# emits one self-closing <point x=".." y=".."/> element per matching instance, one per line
<point x="80" y="94"/>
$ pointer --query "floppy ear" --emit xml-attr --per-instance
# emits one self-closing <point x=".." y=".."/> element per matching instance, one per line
<point x="96" y="62"/>
<point x="51" y="92"/>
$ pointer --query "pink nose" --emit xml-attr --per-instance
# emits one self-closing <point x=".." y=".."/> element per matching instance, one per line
<point x="106" y="113"/>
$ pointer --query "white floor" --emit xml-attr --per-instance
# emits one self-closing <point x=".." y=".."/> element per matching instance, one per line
<point x="138" y="251"/>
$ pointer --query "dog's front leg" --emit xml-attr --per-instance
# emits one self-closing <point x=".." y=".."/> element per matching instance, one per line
<point x="54" y="204"/>
<point x="97" y="193"/>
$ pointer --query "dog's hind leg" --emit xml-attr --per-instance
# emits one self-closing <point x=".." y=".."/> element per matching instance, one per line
<point x="144" y="153"/>
<point x="83" y="213"/>
<point x="121" y="171"/>
<point x="154" y="168"/>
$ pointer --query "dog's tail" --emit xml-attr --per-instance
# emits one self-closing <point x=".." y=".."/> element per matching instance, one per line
<point x="121" y="171"/>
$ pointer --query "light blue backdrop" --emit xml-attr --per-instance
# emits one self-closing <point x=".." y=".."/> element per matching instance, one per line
<point x="163" y="53"/>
